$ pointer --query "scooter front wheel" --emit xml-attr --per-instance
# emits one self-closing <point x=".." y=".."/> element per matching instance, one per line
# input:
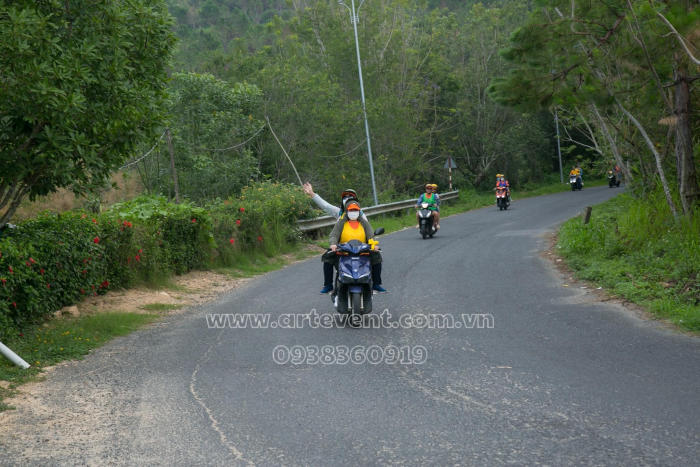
<point x="354" y="318"/>
<point x="341" y="299"/>
<point x="356" y="301"/>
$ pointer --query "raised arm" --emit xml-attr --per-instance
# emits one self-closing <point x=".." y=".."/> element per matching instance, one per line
<point x="320" y="202"/>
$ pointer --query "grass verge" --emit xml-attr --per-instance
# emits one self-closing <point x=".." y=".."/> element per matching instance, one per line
<point x="254" y="263"/>
<point x="636" y="250"/>
<point x="64" y="339"/>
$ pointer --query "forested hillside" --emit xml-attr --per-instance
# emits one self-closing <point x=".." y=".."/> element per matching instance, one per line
<point x="426" y="68"/>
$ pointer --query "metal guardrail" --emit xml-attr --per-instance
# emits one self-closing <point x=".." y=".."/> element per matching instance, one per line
<point x="308" y="225"/>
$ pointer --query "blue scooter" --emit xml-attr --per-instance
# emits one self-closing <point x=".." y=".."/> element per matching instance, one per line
<point x="352" y="294"/>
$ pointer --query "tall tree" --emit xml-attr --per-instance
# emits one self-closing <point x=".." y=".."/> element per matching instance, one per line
<point x="212" y="122"/>
<point x="82" y="84"/>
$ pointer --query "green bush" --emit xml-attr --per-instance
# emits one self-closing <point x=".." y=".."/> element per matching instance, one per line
<point x="263" y="217"/>
<point x="56" y="259"/>
<point x="51" y="261"/>
<point x="170" y="238"/>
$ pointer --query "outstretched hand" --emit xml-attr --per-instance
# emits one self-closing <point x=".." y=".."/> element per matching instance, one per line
<point x="308" y="189"/>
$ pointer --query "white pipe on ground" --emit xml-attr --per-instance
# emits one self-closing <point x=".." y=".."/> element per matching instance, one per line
<point x="13" y="357"/>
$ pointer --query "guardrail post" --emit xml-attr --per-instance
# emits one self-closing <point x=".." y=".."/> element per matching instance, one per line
<point x="587" y="215"/>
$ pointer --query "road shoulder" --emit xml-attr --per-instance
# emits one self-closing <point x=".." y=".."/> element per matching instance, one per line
<point x="586" y="292"/>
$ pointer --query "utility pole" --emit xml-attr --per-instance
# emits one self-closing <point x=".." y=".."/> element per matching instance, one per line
<point x="354" y="18"/>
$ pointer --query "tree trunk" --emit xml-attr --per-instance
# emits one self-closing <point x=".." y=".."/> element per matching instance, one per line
<point x="657" y="157"/>
<point x="613" y="145"/>
<point x="14" y="199"/>
<point x="173" y="172"/>
<point x="688" y="182"/>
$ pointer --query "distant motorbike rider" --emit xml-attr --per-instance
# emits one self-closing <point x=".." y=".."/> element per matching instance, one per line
<point x="353" y="226"/>
<point x="433" y="199"/>
<point x="337" y="212"/>
<point x="580" y="172"/>
<point x="502" y="182"/>
<point x="576" y="171"/>
<point x="617" y="171"/>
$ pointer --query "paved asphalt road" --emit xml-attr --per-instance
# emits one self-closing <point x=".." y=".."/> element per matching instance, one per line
<point x="558" y="379"/>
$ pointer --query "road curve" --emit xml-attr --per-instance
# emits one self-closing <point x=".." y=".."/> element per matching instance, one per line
<point x="558" y="379"/>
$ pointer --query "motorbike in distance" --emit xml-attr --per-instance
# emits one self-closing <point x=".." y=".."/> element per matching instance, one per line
<point x="613" y="181"/>
<point x="575" y="182"/>
<point x="352" y="295"/>
<point x="502" y="200"/>
<point x="426" y="222"/>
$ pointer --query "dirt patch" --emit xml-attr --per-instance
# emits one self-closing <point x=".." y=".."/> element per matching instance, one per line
<point x="189" y="289"/>
<point x="123" y="186"/>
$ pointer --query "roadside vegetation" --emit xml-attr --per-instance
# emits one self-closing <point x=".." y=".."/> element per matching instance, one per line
<point x="635" y="249"/>
<point x="619" y="76"/>
<point x="55" y="260"/>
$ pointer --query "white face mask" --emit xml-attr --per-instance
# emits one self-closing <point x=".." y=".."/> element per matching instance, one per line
<point x="353" y="215"/>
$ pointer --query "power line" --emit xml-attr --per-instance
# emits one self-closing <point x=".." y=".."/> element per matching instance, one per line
<point x="145" y="155"/>
<point x="239" y="144"/>
<point x="345" y="153"/>
<point x="206" y="149"/>
<point x="283" y="150"/>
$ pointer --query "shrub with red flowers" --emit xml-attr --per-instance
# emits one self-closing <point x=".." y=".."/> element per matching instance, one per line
<point x="266" y="210"/>
<point x="50" y="249"/>
<point x="54" y="260"/>
<point x="170" y="238"/>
